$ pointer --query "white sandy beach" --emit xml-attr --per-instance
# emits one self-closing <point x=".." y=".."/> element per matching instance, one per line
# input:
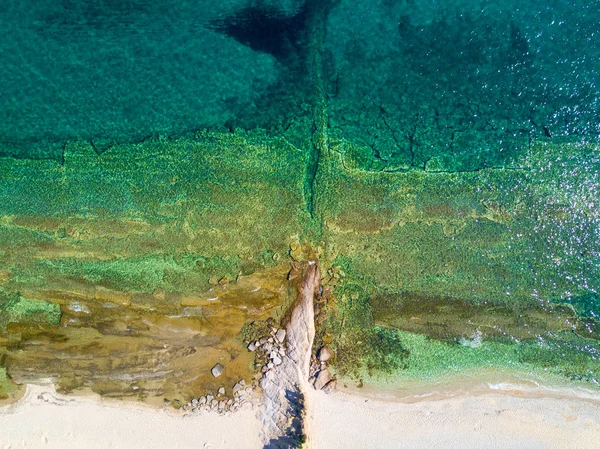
<point x="478" y="421"/>
<point x="494" y="420"/>
<point x="45" y="419"/>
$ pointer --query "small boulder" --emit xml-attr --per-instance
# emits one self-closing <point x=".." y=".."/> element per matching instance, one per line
<point x="330" y="387"/>
<point x="280" y="335"/>
<point x="325" y="354"/>
<point x="252" y="347"/>
<point x="277" y="361"/>
<point x="221" y="391"/>
<point x="217" y="370"/>
<point x="323" y="378"/>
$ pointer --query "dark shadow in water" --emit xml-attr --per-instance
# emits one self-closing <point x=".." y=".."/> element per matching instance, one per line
<point x="266" y="29"/>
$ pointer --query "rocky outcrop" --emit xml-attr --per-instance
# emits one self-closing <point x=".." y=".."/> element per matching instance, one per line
<point x="284" y="385"/>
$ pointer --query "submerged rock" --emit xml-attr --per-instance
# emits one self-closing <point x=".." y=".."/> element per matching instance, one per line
<point x="217" y="370"/>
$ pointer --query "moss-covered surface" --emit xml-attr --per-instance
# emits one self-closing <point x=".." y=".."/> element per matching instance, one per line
<point x="503" y="257"/>
<point x="424" y="273"/>
<point x="151" y="256"/>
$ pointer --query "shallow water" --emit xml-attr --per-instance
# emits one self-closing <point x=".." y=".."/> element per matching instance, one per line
<point x="441" y="159"/>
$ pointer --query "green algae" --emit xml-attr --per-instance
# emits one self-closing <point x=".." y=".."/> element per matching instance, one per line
<point x="421" y="260"/>
<point x="8" y="388"/>
<point x="499" y="255"/>
<point x="17" y="309"/>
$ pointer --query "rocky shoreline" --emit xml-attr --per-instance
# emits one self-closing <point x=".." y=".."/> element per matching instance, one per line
<point x="287" y="367"/>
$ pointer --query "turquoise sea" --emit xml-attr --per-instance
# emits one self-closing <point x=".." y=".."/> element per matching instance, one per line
<point x="445" y="156"/>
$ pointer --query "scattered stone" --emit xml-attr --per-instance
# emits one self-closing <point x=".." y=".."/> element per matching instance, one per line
<point x="202" y="400"/>
<point x="325" y="354"/>
<point x="263" y="340"/>
<point x="209" y="398"/>
<point x="323" y="378"/>
<point x="217" y="370"/>
<point x="280" y="335"/>
<point x="257" y="343"/>
<point x="277" y="361"/>
<point x="223" y="281"/>
<point x="270" y="365"/>
<point x="214" y="403"/>
<point x="194" y="402"/>
<point x="230" y="402"/>
<point x="330" y="386"/>
<point x="268" y="347"/>
<point x="252" y="347"/>
<point x="221" y="391"/>
<point x="270" y="340"/>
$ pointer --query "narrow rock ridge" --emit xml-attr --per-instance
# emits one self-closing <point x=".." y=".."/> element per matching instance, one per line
<point x="284" y="386"/>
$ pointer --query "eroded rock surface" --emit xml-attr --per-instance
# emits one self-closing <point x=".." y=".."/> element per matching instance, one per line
<point x="284" y="386"/>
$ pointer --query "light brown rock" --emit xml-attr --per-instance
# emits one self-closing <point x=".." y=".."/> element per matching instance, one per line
<point x="323" y="378"/>
<point x="325" y="354"/>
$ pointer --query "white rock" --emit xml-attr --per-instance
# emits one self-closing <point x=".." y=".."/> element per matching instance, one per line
<point x="222" y="390"/>
<point x="277" y="361"/>
<point x="280" y="335"/>
<point x="217" y="370"/>
<point x="252" y="347"/>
